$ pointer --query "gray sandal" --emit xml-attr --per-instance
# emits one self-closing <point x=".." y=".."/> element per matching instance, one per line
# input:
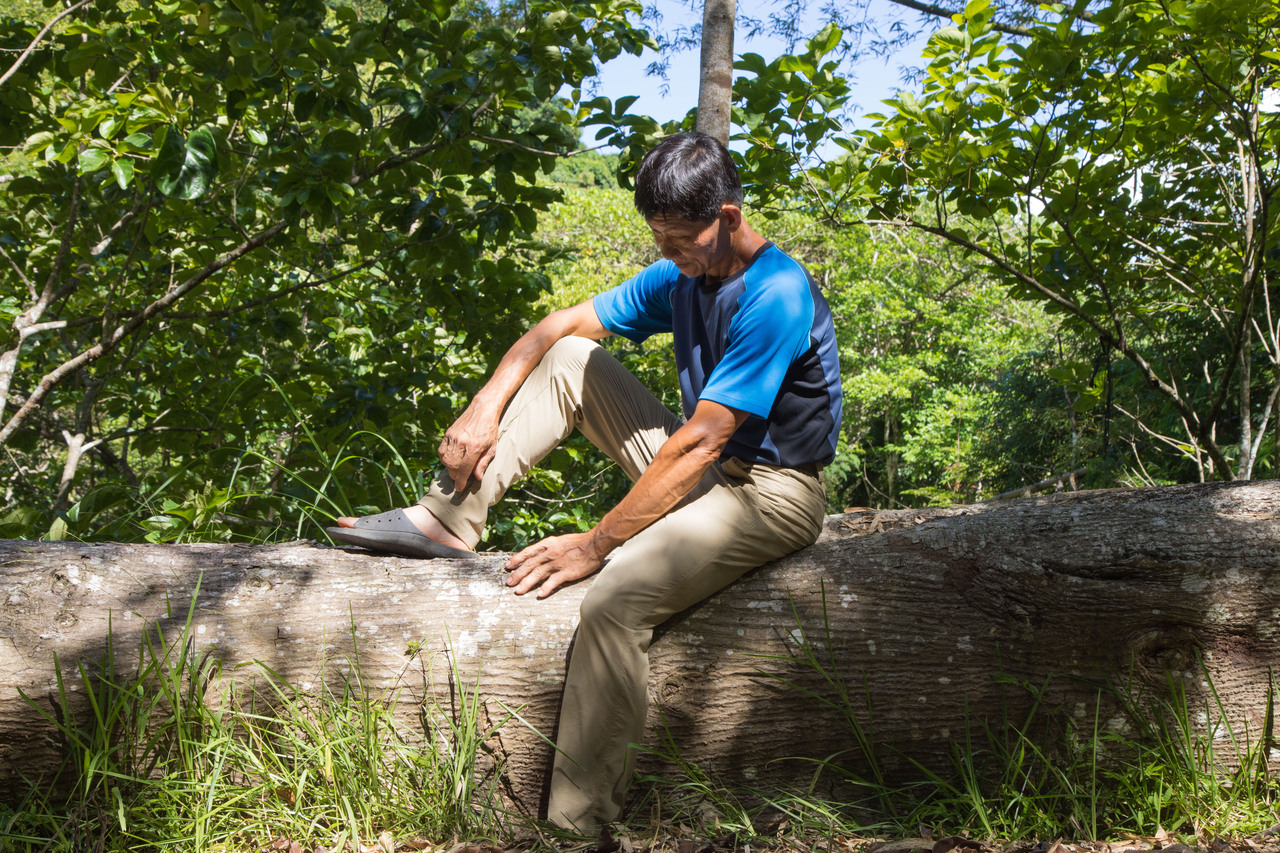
<point x="393" y="533"/>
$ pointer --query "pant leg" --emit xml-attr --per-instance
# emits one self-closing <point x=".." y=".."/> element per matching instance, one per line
<point x="739" y="517"/>
<point x="577" y="384"/>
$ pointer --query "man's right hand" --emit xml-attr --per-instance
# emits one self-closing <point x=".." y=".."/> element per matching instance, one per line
<point x="469" y="445"/>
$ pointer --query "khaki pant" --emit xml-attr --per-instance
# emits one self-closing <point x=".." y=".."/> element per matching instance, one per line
<point x="739" y="516"/>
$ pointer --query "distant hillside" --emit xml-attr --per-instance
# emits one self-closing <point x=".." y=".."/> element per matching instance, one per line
<point x="587" y="170"/>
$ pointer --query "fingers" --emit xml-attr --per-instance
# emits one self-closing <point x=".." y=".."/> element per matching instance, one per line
<point x="545" y="579"/>
<point x="461" y="475"/>
<point x="460" y="460"/>
<point x="483" y="464"/>
<point x="549" y="565"/>
<point x="466" y="452"/>
<point x="551" y="584"/>
<point x="528" y="568"/>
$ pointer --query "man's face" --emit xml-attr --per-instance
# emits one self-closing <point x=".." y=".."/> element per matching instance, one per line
<point x="695" y="248"/>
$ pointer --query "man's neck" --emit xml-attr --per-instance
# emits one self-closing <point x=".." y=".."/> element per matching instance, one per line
<point x="745" y="243"/>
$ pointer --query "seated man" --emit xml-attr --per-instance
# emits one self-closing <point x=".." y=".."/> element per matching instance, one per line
<point x="732" y="485"/>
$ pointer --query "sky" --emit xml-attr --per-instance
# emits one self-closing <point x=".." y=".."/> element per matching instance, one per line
<point x="876" y="78"/>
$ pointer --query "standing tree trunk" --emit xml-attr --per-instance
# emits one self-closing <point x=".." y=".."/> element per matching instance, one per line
<point x="925" y="616"/>
<point x="715" y="89"/>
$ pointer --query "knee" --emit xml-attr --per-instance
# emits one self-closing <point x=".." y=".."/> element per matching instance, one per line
<point x="571" y="352"/>
<point x="601" y="608"/>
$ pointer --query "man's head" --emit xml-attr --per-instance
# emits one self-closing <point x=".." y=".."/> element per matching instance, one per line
<point x="688" y="176"/>
<point x="689" y="193"/>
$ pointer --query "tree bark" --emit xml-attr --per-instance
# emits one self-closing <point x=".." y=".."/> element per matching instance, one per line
<point x="715" y="86"/>
<point x="925" y="616"/>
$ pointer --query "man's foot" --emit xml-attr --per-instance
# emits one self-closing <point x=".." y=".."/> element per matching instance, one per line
<point x="409" y="532"/>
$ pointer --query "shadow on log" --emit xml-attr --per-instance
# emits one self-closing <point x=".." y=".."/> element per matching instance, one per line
<point x="926" y="615"/>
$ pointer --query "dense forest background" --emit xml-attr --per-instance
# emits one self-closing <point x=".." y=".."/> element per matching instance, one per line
<point x="255" y="257"/>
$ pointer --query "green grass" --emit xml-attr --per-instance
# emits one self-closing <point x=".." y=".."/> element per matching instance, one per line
<point x="173" y="756"/>
<point x="1176" y="765"/>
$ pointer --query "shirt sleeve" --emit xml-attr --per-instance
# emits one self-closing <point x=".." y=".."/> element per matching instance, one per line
<point x="770" y="331"/>
<point x="641" y="306"/>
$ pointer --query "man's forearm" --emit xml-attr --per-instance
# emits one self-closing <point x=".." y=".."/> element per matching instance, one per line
<point x="676" y="469"/>
<point x="528" y="351"/>
<point x="514" y="369"/>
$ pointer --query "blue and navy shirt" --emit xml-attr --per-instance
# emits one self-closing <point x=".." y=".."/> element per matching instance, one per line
<point x="760" y="341"/>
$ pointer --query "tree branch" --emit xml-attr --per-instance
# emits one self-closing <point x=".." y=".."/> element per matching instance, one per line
<point x="110" y="342"/>
<point x="1105" y="334"/>
<point x="17" y="63"/>
<point x="271" y="297"/>
<point x="939" y="12"/>
<point x="30" y="317"/>
<point x="1049" y="483"/>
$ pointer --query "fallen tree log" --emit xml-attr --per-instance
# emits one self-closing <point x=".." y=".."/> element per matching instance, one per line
<point x="924" y="616"/>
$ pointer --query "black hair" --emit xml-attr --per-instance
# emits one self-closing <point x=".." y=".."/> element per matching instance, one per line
<point x="687" y="176"/>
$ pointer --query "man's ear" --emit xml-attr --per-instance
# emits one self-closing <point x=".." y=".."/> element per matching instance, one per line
<point x="731" y="215"/>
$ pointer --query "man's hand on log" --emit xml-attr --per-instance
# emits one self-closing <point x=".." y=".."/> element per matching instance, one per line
<point x="553" y="562"/>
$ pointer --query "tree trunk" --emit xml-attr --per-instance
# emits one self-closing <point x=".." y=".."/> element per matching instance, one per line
<point x="925" y="615"/>
<point x="715" y="86"/>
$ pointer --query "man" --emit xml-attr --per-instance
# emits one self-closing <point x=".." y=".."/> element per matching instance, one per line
<point x="734" y="484"/>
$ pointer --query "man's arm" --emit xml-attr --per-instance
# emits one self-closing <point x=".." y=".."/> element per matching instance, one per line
<point x="468" y="446"/>
<point x="679" y="465"/>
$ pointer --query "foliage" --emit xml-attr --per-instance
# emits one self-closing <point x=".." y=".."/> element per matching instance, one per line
<point x="787" y="112"/>
<point x="1116" y="166"/>
<point x="926" y="338"/>
<point x="588" y="169"/>
<point x="265" y="227"/>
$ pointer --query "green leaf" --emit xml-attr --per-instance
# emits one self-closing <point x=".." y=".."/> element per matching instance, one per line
<point x="950" y="38"/>
<point x="186" y="169"/>
<point x="37" y="142"/>
<point x="342" y="141"/>
<point x="123" y="172"/>
<point x="93" y="159"/>
<point x="66" y="155"/>
<point x="825" y="41"/>
<point x="796" y="65"/>
<point x="137" y="142"/>
<point x="25" y="185"/>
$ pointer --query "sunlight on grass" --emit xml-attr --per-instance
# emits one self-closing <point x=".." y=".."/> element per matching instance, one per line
<point x="173" y="755"/>
<point x="169" y="752"/>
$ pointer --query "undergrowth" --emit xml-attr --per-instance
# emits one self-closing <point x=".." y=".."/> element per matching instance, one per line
<point x="1134" y="765"/>
<point x="175" y="755"/>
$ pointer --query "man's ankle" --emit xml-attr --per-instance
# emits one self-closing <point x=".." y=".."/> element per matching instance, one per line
<point x="431" y="527"/>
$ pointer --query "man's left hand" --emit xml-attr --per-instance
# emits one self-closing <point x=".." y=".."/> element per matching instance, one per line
<point x="553" y="562"/>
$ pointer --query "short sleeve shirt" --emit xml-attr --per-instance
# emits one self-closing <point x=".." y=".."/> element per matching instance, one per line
<point x="761" y="341"/>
